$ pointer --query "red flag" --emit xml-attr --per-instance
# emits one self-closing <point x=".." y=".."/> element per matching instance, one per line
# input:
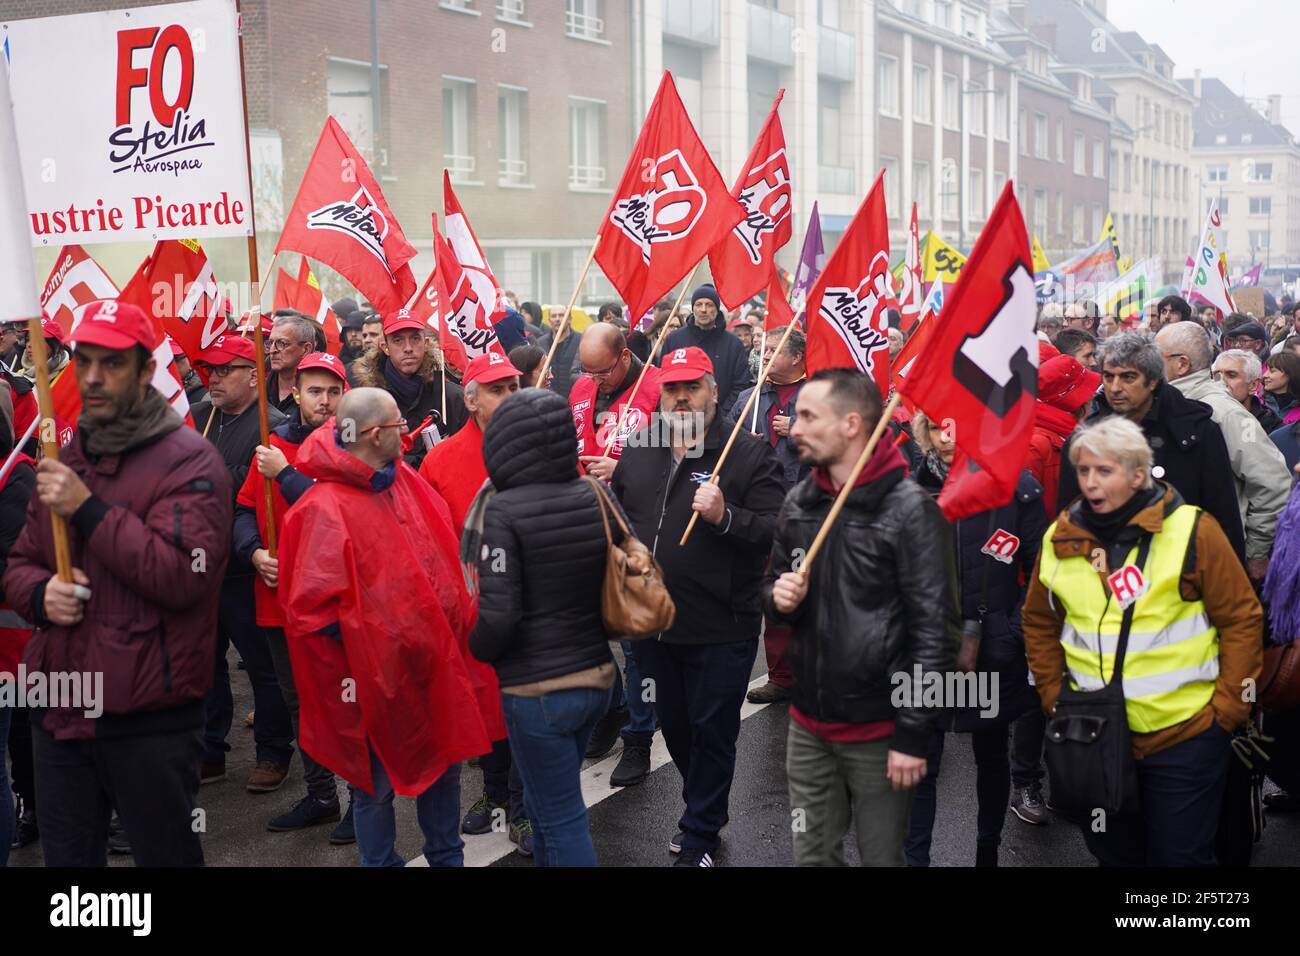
<point x="340" y="218"/>
<point x="847" y="315"/>
<point x="465" y="316"/>
<point x="779" y="314"/>
<point x="911" y="294"/>
<point x="176" y="286"/>
<point x="75" y="281"/>
<point x="670" y="208"/>
<point x="464" y="245"/>
<point x="304" y="295"/>
<point x="427" y="306"/>
<point x="980" y="369"/>
<point x="743" y="258"/>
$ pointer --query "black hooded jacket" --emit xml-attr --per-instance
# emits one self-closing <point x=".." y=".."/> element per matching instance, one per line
<point x="542" y="562"/>
<point x="1190" y="454"/>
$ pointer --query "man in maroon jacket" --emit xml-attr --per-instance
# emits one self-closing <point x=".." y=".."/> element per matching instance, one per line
<point x="148" y="507"/>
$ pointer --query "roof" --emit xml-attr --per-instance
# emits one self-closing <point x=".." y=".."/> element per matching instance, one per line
<point x="1221" y="112"/>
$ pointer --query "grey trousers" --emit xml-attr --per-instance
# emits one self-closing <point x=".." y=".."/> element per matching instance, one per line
<point x="831" y="784"/>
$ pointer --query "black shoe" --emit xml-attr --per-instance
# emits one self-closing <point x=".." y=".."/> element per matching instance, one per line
<point x="521" y="834"/>
<point x="633" y="766"/>
<point x="26" y="832"/>
<point x="606" y="733"/>
<point x="345" y="832"/>
<point x="694" y="858"/>
<point x="1027" y="804"/>
<point x="118" y="842"/>
<point x="307" y="812"/>
<point x="481" y="816"/>
<point x="769" y="693"/>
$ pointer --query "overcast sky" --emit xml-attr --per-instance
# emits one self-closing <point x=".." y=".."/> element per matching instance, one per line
<point x="1252" y="45"/>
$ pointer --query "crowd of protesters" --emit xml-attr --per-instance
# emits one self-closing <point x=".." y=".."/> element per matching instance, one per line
<point x="411" y="574"/>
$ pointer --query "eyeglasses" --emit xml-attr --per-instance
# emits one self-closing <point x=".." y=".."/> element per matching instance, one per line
<point x="279" y="345"/>
<point x="604" y="373"/>
<point x="400" y="424"/>
<point x="221" y="371"/>
<point x="1240" y="342"/>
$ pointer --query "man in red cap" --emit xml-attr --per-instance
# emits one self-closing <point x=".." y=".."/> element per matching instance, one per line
<point x="55" y="345"/>
<point x="318" y="386"/>
<point x="456" y="471"/>
<point x="378" y="635"/>
<point x="700" y="667"/>
<point x="409" y="366"/>
<point x="148" y="509"/>
<point x="229" y="419"/>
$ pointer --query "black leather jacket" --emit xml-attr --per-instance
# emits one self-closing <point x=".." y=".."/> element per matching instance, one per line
<point x="881" y="599"/>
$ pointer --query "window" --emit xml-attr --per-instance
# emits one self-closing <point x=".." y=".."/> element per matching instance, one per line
<point x="1260" y="205"/>
<point x="1247" y="139"/>
<point x="1155" y="123"/>
<point x="511" y="11"/>
<point x="1079" y="157"/>
<point x="586" y="143"/>
<point x="1001" y="115"/>
<point x="458" y="127"/>
<point x="893" y="185"/>
<point x="887" y="89"/>
<point x="999" y="180"/>
<point x="1258" y="239"/>
<point x="1076" y="224"/>
<point x="951" y="191"/>
<point x="347" y="88"/>
<point x="512" y="135"/>
<point x="835" y="172"/>
<point x="582" y="19"/>
<point x="1058" y="220"/>
<point x="1094" y="221"/>
<point x="1040" y="136"/>
<point x="1040" y="212"/>
<point x="976" y="117"/>
<point x="972" y="25"/>
<point x="1258" y="172"/>
<point x="922" y="189"/>
<point x="943" y="14"/>
<point x="1098" y="159"/>
<point x="465" y="6"/>
<point x="1216" y="174"/>
<point x="922" y="94"/>
<point x="686" y="64"/>
<point x="763" y="83"/>
<point x="1022" y="131"/>
<point x="828" y="13"/>
<point x="1222" y="201"/>
<point x="975" y="206"/>
<point x="1060" y="141"/>
<point x="951" y="102"/>
<point x="1221" y="139"/>
<point x="1128" y="172"/>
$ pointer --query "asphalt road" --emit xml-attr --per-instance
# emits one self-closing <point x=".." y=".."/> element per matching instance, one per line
<point x="631" y="827"/>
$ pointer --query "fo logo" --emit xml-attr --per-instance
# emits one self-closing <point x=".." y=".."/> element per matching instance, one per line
<point x="668" y="210"/>
<point x="359" y="218"/>
<point x="766" y="198"/>
<point x="155" y="67"/>
<point x="998" y="365"/>
<point x="859" y="316"/>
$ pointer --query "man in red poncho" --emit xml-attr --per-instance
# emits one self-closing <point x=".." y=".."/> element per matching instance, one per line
<point x="377" y="633"/>
<point x="456" y="470"/>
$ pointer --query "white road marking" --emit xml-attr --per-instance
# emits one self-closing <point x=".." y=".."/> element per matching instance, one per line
<point x="487" y="848"/>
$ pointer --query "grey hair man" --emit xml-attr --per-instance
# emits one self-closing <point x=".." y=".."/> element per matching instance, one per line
<point x="1258" y="468"/>
<point x="293" y="338"/>
<point x="1240" y="370"/>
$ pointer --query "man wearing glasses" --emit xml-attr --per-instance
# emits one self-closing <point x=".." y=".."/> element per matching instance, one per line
<point x="293" y="338"/>
<point x="235" y="431"/>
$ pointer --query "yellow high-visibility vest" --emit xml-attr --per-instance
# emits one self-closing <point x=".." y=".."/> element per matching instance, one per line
<point x="1173" y="649"/>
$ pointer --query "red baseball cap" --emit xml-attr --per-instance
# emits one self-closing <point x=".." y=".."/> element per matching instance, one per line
<point x="115" y="325"/>
<point x="490" y="367"/>
<point x="1066" y="384"/>
<point x="177" y="351"/>
<point x="685" y="365"/>
<point x="52" y="330"/>
<point x="226" y="349"/>
<point x="402" y="319"/>
<point x="326" y="362"/>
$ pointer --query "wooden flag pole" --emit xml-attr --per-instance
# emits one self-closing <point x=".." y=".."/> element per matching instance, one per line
<point x="207" y="426"/>
<point x="564" y="323"/>
<point x="259" y="349"/>
<point x="740" y="423"/>
<point x="838" y="506"/>
<point x="650" y="360"/>
<point x="49" y="441"/>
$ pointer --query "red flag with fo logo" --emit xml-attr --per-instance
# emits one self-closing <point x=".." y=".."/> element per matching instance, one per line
<point x="469" y="254"/>
<point x="911" y="291"/>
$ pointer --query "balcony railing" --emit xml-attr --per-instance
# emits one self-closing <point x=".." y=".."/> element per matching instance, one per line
<point x="770" y="35"/>
<point x="586" y="177"/>
<point x="695" y="21"/>
<point x="583" y="25"/>
<point x="460" y="167"/>
<point x="512" y="172"/>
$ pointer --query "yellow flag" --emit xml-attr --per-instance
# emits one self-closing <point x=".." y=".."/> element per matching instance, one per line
<point x="1040" y="259"/>
<point x="940" y="260"/>
<point x="1108" y="233"/>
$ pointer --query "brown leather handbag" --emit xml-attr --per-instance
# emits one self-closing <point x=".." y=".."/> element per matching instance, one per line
<point x="1279" y="681"/>
<point x="634" y="601"/>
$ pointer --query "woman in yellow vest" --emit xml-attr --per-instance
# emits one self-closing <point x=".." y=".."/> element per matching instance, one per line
<point x="1194" y="648"/>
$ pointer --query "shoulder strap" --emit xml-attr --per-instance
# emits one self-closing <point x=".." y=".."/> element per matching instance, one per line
<point x="1144" y="549"/>
<point x="605" y="507"/>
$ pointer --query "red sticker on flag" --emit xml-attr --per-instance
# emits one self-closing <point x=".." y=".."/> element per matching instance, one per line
<point x="1127" y="584"/>
<point x="1002" y="546"/>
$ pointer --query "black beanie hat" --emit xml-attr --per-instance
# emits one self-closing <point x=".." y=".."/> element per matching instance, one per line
<point x="707" y="291"/>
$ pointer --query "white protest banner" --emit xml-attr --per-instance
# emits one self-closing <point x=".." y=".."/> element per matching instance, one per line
<point x="18" y="291"/>
<point x="130" y="123"/>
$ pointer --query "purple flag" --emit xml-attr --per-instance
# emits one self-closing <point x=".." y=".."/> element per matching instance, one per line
<point x="811" y="260"/>
<point x="1251" y="278"/>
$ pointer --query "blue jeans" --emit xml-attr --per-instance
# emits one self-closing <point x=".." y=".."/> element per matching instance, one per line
<point x="437" y="809"/>
<point x="6" y="796"/>
<point x="640" y="712"/>
<point x="548" y="736"/>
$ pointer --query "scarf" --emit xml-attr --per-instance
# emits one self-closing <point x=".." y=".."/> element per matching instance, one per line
<point x="936" y="465"/>
<point x="1282" y="584"/>
<point x="883" y="460"/>
<point x="1107" y="527"/>
<point x="1055" y="420"/>
<point x="406" y="388"/>
<point x="471" y="538"/>
<point x="144" y="422"/>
